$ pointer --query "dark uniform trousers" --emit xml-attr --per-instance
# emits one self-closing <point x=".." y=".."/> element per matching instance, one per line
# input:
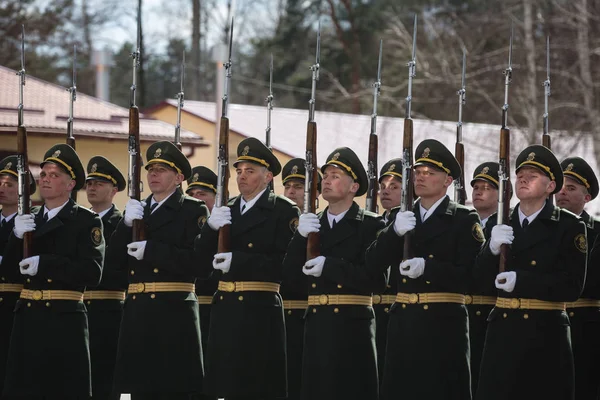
<point x="427" y="354"/>
<point x="104" y="319"/>
<point x="527" y="351"/>
<point x="49" y="350"/>
<point x="339" y="359"/>
<point x="159" y="350"/>
<point x="294" y="335"/>
<point x="585" y="322"/>
<point x="246" y="343"/>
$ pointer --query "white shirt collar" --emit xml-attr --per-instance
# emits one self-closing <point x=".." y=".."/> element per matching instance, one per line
<point x="250" y="203"/>
<point x="160" y="203"/>
<point x="336" y="218"/>
<point x="103" y="213"/>
<point x="484" y="221"/>
<point x="531" y="217"/>
<point x="52" y="213"/>
<point x="7" y="218"/>
<point x="427" y="213"/>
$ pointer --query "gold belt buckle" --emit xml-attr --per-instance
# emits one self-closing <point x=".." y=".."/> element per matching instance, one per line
<point x="37" y="295"/>
<point x="140" y="287"/>
<point x="229" y="286"/>
<point x="413" y="298"/>
<point x="468" y="299"/>
<point x="515" y="303"/>
<point x="323" y="299"/>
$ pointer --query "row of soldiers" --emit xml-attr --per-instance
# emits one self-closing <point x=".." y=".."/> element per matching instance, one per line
<point x="93" y="313"/>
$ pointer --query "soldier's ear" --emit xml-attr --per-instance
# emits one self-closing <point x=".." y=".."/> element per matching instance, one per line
<point x="551" y="187"/>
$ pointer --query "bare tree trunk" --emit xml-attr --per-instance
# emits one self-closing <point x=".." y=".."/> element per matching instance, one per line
<point x="195" y="51"/>
<point x="531" y="84"/>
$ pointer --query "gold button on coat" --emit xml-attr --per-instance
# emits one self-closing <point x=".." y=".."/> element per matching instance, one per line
<point x="314" y="285"/>
<point x="250" y="245"/>
<point x="339" y="286"/>
<point x="156" y="270"/>
<point x="533" y="263"/>
<point x="336" y="310"/>
<point x="241" y="298"/>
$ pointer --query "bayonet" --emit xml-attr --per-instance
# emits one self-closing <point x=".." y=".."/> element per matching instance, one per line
<point x="180" y="97"/>
<point x="460" y="194"/>
<point x="371" y="200"/>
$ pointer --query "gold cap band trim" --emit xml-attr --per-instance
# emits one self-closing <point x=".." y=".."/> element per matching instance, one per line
<point x="110" y="178"/>
<point x="250" y="158"/>
<point x="392" y="173"/>
<point x="576" y="175"/>
<point x="292" y="176"/>
<point x="429" y="160"/>
<point x="486" y="176"/>
<point x="51" y="295"/>
<point x="424" y="298"/>
<point x="104" y="295"/>
<point x="153" y="287"/>
<point x="208" y="185"/>
<point x="529" y="304"/>
<point x="9" y="171"/>
<point x="248" y="287"/>
<point x="339" y="299"/>
<point x="539" y="165"/>
<point x="64" y="164"/>
<point x="169" y="163"/>
<point x="346" y="167"/>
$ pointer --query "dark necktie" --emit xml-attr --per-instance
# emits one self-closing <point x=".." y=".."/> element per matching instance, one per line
<point x="1" y="222"/>
<point x="243" y="208"/>
<point x="44" y="219"/>
<point x="525" y="224"/>
<point x="152" y="207"/>
<point x="333" y="225"/>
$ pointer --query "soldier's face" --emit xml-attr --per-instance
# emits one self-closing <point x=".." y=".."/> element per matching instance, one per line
<point x="252" y="178"/>
<point x="55" y="182"/>
<point x="337" y="185"/>
<point x="99" y="192"/>
<point x="8" y="191"/>
<point x="431" y="183"/>
<point x="390" y="192"/>
<point x="485" y="196"/>
<point x="207" y="196"/>
<point x="572" y="196"/>
<point x="294" y="190"/>
<point x="162" y="179"/>
<point x="532" y="184"/>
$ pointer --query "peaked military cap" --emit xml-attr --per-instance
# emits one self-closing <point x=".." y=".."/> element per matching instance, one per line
<point x="392" y="168"/>
<point x="488" y="171"/>
<point x="578" y="169"/>
<point x="167" y="153"/>
<point x="100" y="169"/>
<point x="542" y="158"/>
<point x="433" y="153"/>
<point x="253" y="150"/>
<point x="8" y="166"/>
<point x="202" y="178"/>
<point x="296" y="169"/>
<point x="65" y="157"/>
<point x="348" y="161"/>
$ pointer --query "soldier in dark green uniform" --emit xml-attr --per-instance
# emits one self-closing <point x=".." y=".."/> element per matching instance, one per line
<point x="11" y="281"/>
<point x="49" y="353"/>
<point x="340" y="359"/>
<point x="160" y="354"/>
<point x="390" y="194"/>
<point x="105" y="302"/>
<point x="246" y="343"/>
<point x="428" y="344"/>
<point x="481" y="296"/>
<point x="294" y="293"/>
<point x="579" y="188"/>
<point x="527" y="351"/>
<point x="202" y="185"/>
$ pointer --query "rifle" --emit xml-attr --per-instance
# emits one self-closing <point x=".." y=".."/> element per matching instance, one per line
<point x="224" y="245"/>
<point x="504" y="186"/>
<point x="406" y="203"/>
<point x="180" y="105"/>
<point x="24" y="176"/>
<point x="371" y="201"/>
<point x="73" y="91"/>
<point x="312" y="179"/>
<point x="134" y="183"/>
<point x="546" y="142"/>
<point x="269" y="101"/>
<point x="460" y="194"/>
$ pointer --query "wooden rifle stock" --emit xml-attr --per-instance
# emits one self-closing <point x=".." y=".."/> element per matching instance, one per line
<point x="506" y="192"/>
<point x="24" y="181"/>
<point x="224" y="242"/>
<point x="139" y="230"/>
<point x="313" y="246"/>
<point x="373" y="187"/>
<point x="408" y="182"/>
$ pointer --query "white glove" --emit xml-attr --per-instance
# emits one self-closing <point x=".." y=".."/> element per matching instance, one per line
<point x="133" y="210"/>
<point x="501" y="234"/>
<point x="222" y="261"/>
<point x="405" y="221"/>
<point x="413" y="268"/>
<point x="23" y="223"/>
<point x="137" y="249"/>
<point x="29" y="266"/>
<point x="314" y="267"/>
<point x="308" y="223"/>
<point x="509" y="278"/>
<point x="219" y="217"/>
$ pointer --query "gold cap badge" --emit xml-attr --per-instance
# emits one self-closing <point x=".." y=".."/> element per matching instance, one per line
<point x="530" y="156"/>
<point x="157" y="153"/>
<point x="246" y="151"/>
<point x="56" y="154"/>
<point x="335" y="157"/>
<point x="392" y="167"/>
<point x="195" y="178"/>
<point x="8" y="165"/>
<point x="294" y="170"/>
<point x="94" y="168"/>
<point x="485" y="170"/>
<point x="426" y="152"/>
<point x="569" y="167"/>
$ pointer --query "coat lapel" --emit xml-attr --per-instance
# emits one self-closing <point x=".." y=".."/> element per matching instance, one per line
<point x="65" y="214"/>
<point x="256" y="215"/>
<point x="436" y="224"/>
<point x="164" y="214"/>
<point x="537" y="231"/>
<point x="342" y="230"/>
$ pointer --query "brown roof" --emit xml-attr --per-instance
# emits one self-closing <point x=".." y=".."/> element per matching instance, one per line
<point x="47" y="107"/>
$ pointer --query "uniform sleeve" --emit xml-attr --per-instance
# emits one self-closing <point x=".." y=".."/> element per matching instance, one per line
<point x="455" y="276"/>
<point x="180" y="258"/>
<point x="116" y="252"/>
<point x="386" y="250"/>
<point x="293" y="262"/>
<point x="85" y="267"/>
